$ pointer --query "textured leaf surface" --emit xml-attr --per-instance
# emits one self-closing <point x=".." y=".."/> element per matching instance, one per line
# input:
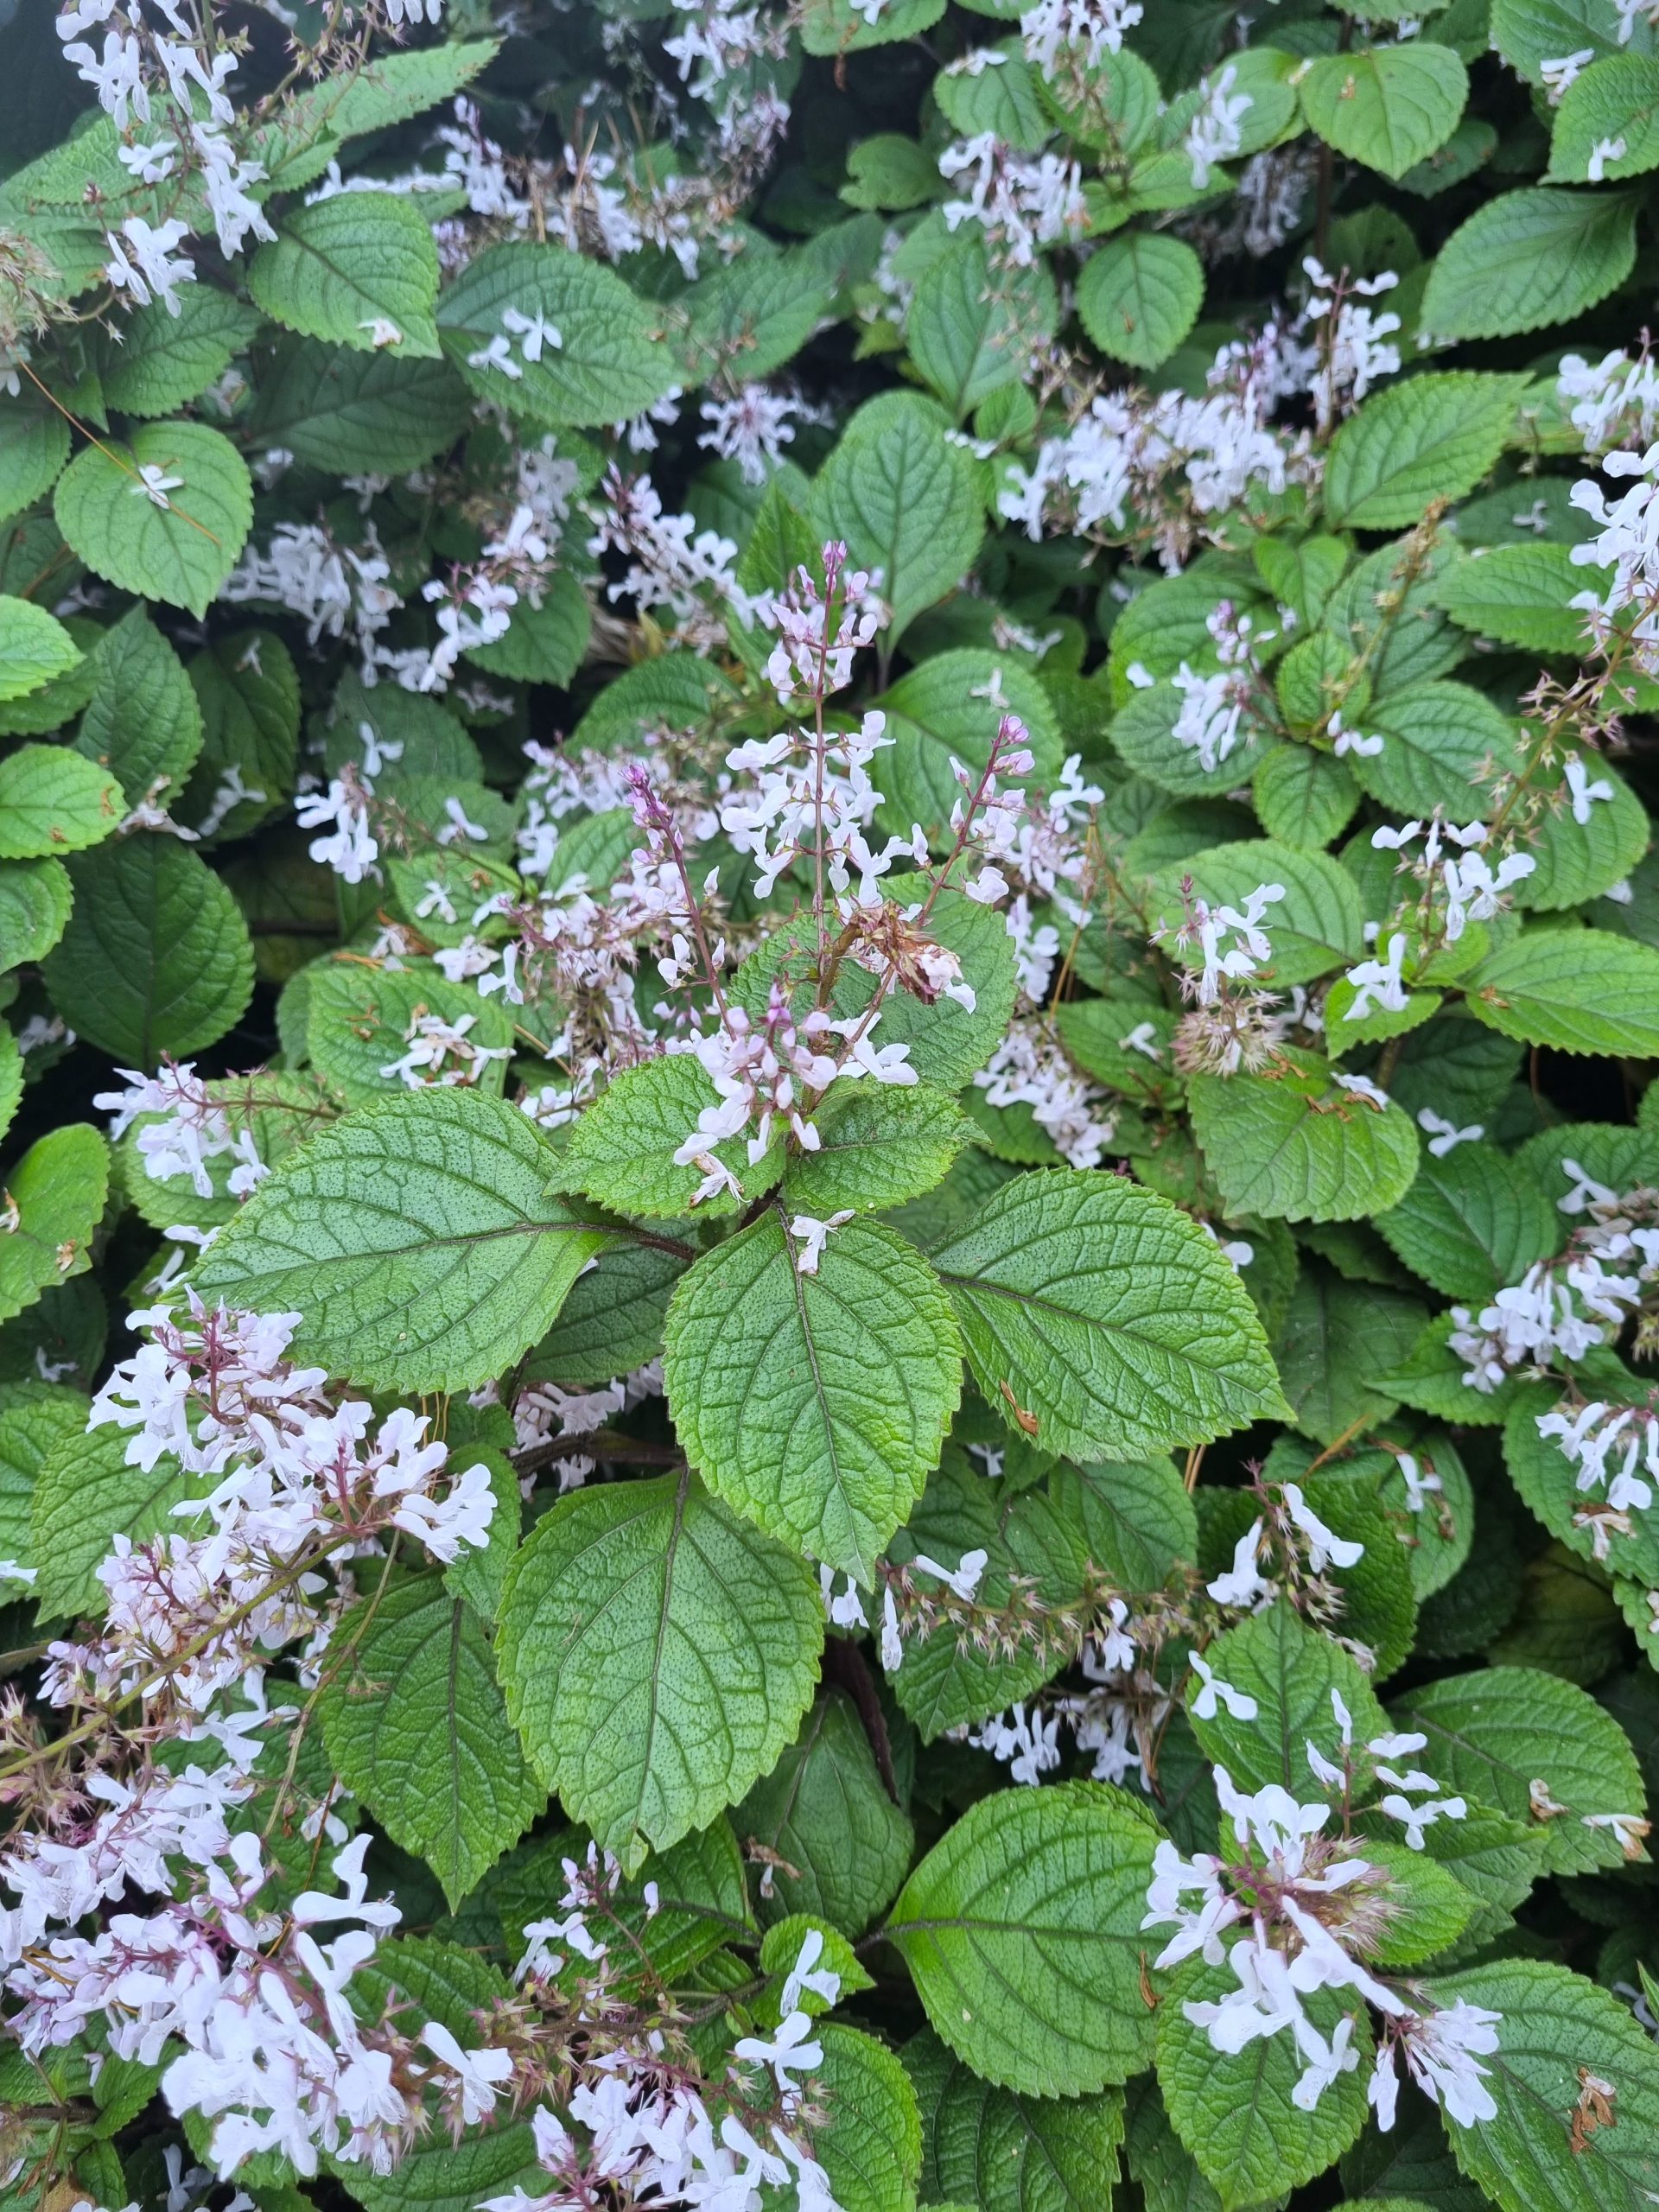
<point x="1113" y="1320"/>
<point x="1291" y="1144"/>
<point x="970" y="335"/>
<point x="1557" y="2025"/>
<point x="33" y="648"/>
<point x="35" y="901"/>
<point x="1473" y="1221"/>
<point x="1389" y="107"/>
<point x="349" y="412"/>
<point x="157" y="957"/>
<point x="166" y="359"/>
<point x="610" y="363"/>
<point x="871" y="2143"/>
<point x="1005" y="2153"/>
<point x="141" y="722"/>
<point x="621" y="1151"/>
<point x="85" y="1495"/>
<point x="181" y="552"/>
<point x="417" y="1729"/>
<point x="880" y="1144"/>
<point x="417" y="1238"/>
<point x="1492" y="1734"/>
<point x="1022" y="1928"/>
<point x="816" y="1404"/>
<point x="53" y="801"/>
<point x="903" y="500"/>
<point x="1139" y="295"/>
<point x="1532" y="258"/>
<point x="657" y="1655"/>
<point x="1579" y="990"/>
<point x="1290" y="1670"/>
<point x="1233" y="2110"/>
<point x="1432" y="436"/>
<point x="1616" y="99"/>
<point x="357" y="269"/>
<point x="825" y="1810"/>
<point x="59" y="1188"/>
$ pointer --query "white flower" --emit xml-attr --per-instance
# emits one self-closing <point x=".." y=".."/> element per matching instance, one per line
<point x="964" y="1581"/>
<point x="140" y="261"/>
<point x="481" y="2073"/>
<point x="1604" y="150"/>
<point x="533" y="332"/>
<point x="1243" y="1582"/>
<point x="1215" y="132"/>
<point x="150" y="164"/>
<point x="1323" y="1547"/>
<point x="1556" y="75"/>
<point x="1361" y="1086"/>
<point x="1379" y="980"/>
<point x="1582" y="791"/>
<point x="1213" y="1691"/>
<point x="154" y="484"/>
<point x="1443" y="1135"/>
<point x="810" y="1236"/>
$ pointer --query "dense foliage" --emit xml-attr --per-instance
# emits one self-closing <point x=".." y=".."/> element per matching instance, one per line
<point x="829" y="1204"/>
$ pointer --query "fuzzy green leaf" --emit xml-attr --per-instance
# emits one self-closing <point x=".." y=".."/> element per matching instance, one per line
<point x="657" y="1654"/>
<point x="418" y="1238"/>
<point x="417" y="1729"/>
<point x="359" y="269"/>
<point x="157" y="957"/>
<point x="1427" y="437"/>
<point x="1139" y="295"/>
<point x="1532" y="258"/>
<point x="59" y="1189"/>
<point x="1021" y="1929"/>
<point x="53" y="801"/>
<point x="181" y="552"/>
<point x="33" y="648"/>
<point x="903" y="500"/>
<point x="1293" y="1145"/>
<point x="610" y="362"/>
<point x="1578" y="990"/>
<point x="1113" y="1322"/>
<point x="816" y="1404"/>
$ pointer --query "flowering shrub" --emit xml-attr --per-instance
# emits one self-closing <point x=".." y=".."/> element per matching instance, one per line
<point x="829" y="1218"/>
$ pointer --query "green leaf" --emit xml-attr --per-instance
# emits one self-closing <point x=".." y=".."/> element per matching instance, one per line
<point x="1519" y="594"/>
<point x="1022" y="1928"/>
<point x="34" y="1418"/>
<point x="880" y="1145"/>
<point x="33" y="648"/>
<point x="417" y="1237"/>
<point x="249" y="693"/>
<point x="1492" y="1735"/>
<point x="947" y="1042"/>
<point x="612" y="1321"/>
<point x="53" y="801"/>
<point x="546" y="644"/>
<point x="752" y="316"/>
<point x="657" y="1655"/>
<point x="87" y="1495"/>
<point x="11" y="1077"/>
<point x="1435" y="737"/>
<point x="166" y="360"/>
<point x="611" y="362"/>
<point x="1539" y="2149"/>
<point x="417" y="1729"/>
<point x="1546" y="1481"/>
<point x="59" y="1190"/>
<point x="1617" y="98"/>
<point x="1303" y="798"/>
<point x="1005" y="2153"/>
<point x="360" y="1021"/>
<point x="903" y="500"/>
<point x="621" y="1149"/>
<point x="35" y="901"/>
<point x="1114" y="1321"/>
<point x="1577" y="990"/>
<point x="33" y="445"/>
<point x="1290" y="1670"/>
<point x="1317" y="925"/>
<point x="870" y="2144"/>
<point x="1389" y="106"/>
<point x="1336" y="1348"/>
<point x="359" y="269"/>
<point x="1291" y="1144"/>
<point x="1473" y="1221"/>
<point x="1529" y="259"/>
<point x="825" y="1811"/>
<point x="1430" y="436"/>
<point x="971" y="333"/>
<point x="816" y="1404"/>
<point x="1138" y="294"/>
<point x="1234" y="2110"/>
<point x="348" y="412"/>
<point x="157" y="957"/>
<point x="939" y="1685"/>
<point x="834" y="27"/>
<point x="950" y="707"/>
<point x="309" y="130"/>
<point x="182" y="552"/>
<point x="1578" y="860"/>
<point x="141" y="722"/>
